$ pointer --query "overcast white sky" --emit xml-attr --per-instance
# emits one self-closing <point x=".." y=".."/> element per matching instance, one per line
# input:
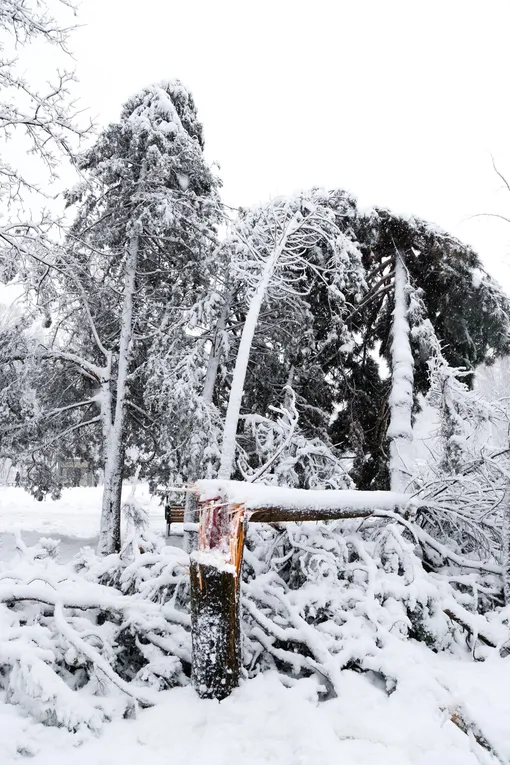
<point x="400" y="101"/>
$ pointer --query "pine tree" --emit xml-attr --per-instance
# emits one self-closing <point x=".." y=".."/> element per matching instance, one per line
<point x="464" y="309"/>
<point x="334" y="338"/>
<point x="133" y="267"/>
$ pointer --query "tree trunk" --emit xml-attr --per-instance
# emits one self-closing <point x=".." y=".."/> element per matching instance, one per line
<point x="237" y="388"/>
<point x="109" y="535"/>
<point x="216" y="352"/>
<point x="215" y="581"/>
<point x="196" y="470"/>
<point x="190" y="517"/>
<point x="216" y="632"/>
<point x="506" y="547"/>
<point x="400" y="432"/>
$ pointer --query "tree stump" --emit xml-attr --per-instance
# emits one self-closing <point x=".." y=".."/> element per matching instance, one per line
<point x="215" y="579"/>
<point x="216" y="634"/>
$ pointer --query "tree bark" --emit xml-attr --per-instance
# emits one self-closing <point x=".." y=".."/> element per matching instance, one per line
<point x="190" y="517"/>
<point x="191" y="502"/>
<point x="215" y="582"/>
<point x="215" y="630"/>
<point x="216" y="352"/>
<point x="284" y="515"/>
<point x="400" y="432"/>
<point x="506" y="547"/>
<point x="109" y="534"/>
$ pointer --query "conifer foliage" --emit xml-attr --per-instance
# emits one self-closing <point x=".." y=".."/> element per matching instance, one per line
<point x="291" y="344"/>
<point x="133" y="268"/>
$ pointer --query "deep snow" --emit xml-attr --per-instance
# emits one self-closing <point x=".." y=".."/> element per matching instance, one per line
<point x="262" y="722"/>
<point x="73" y="519"/>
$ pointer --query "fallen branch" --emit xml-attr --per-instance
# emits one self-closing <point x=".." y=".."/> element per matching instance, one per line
<point x="144" y="699"/>
<point x="421" y="536"/>
<point x="473" y="731"/>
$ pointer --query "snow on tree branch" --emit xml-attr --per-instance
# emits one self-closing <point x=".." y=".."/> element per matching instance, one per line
<point x="401" y="397"/>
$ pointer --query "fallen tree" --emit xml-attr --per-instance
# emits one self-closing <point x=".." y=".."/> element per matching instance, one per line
<point x="215" y="577"/>
<point x="373" y="594"/>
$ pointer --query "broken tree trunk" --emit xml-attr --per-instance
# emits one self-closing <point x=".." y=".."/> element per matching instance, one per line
<point x="275" y="504"/>
<point x="215" y="578"/>
<point x="215" y="569"/>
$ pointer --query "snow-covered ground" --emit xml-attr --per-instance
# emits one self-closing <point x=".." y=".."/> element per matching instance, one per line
<point x="73" y="519"/>
<point x="262" y="722"/>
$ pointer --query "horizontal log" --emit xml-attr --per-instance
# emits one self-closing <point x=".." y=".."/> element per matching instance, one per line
<point x="284" y="514"/>
<point x="274" y="503"/>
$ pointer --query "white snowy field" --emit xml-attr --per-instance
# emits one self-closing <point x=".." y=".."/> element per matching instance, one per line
<point x="73" y="519"/>
<point x="263" y="722"/>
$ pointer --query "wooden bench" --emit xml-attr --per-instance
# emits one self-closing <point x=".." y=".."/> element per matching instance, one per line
<point x="173" y="514"/>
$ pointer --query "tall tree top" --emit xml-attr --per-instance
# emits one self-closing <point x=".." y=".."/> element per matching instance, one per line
<point x="158" y="140"/>
<point x="167" y="107"/>
<point x="467" y="308"/>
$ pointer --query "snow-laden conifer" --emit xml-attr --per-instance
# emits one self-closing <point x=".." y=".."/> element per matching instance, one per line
<point x="133" y="266"/>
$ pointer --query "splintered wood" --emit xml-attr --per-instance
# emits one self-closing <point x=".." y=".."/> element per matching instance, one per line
<point x="237" y="536"/>
<point x="215" y="578"/>
<point x="221" y="530"/>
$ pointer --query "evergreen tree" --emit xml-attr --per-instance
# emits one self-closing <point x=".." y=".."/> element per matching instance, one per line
<point x="134" y="265"/>
<point x="463" y="309"/>
<point x="329" y="327"/>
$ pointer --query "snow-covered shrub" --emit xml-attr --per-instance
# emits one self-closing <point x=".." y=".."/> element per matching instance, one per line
<point x="321" y="598"/>
<point x="151" y="648"/>
<point x="76" y="651"/>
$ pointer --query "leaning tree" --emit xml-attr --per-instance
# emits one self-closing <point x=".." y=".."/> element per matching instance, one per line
<point x="451" y="303"/>
<point x="325" y="327"/>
